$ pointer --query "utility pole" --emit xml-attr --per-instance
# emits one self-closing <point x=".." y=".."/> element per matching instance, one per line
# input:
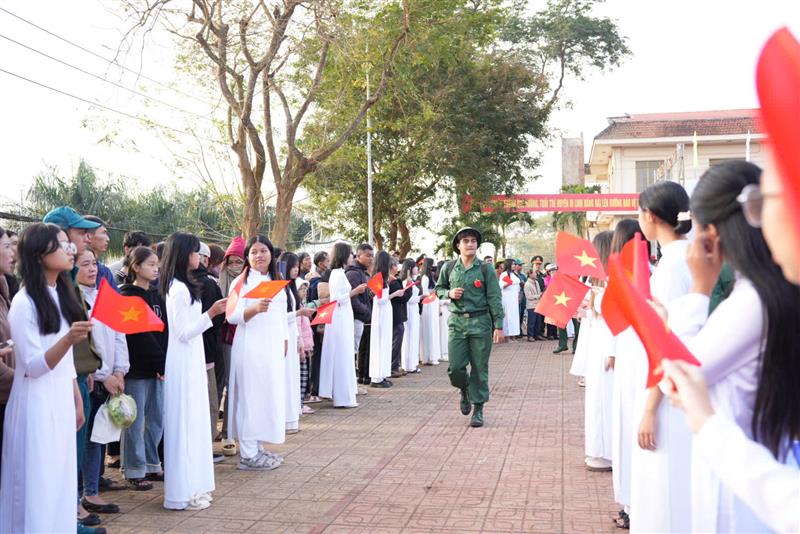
<point x="371" y="234"/>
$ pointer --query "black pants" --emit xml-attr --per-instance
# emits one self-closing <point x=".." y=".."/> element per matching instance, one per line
<point x="397" y="345"/>
<point x="552" y="331"/>
<point x="313" y="375"/>
<point x="363" y="355"/>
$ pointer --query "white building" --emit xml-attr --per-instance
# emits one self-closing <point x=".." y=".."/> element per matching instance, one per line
<point x="635" y="151"/>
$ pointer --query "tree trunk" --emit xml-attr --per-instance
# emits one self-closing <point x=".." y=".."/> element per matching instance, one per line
<point x="393" y="234"/>
<point x="405" y="239"/>
<point x="253" y="199"/>
<point x="283" y="213"/>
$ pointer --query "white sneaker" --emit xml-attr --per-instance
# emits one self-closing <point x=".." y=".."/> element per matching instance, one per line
<point x="597" y="464"/>
<point x="197" y="504"/>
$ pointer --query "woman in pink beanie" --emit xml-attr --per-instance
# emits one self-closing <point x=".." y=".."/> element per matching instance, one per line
<point x="231" y="268"/>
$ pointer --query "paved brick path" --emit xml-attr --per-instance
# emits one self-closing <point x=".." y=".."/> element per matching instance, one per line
<point x="406" y="461"/>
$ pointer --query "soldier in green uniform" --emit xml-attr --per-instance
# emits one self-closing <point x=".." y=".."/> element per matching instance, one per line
<point x="476" y="320"/>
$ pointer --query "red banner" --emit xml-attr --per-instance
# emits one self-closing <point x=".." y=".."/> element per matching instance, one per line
<point x="560" y="202"/>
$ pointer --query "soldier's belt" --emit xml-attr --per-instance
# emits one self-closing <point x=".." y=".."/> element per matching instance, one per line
<point x="467" y="315"/>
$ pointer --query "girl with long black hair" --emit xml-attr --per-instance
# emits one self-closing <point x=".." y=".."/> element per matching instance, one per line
<point x="410" y="350"/>
<point x="337" y="374"/>
<point x="257" y="383"/>
<point x="660" y="485"/>
<point x="430" y="338"/>
<point x="144" y="382"/>
<point x="39" y="477"/>
<point x="294" y="398"/>
<point x="625" y="350"/>
<point x="746" y="346"/>
<point x="380" y="341"/>
<point x="188" y="463"/>
<point x="599" y="380"/>
<point x="764" y="479"/>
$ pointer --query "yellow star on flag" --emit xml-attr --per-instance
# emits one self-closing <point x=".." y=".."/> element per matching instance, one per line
<point x="562" y="299"/>
<point x="324" y="314"/>
<point x="585" y="259"/>
<point x="131" y="314"/>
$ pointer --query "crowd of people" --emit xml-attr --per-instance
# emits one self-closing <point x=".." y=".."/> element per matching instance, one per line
<point x="719" y="467"/>
<point x="245" y="370"/>
<point x="226" y="367"/>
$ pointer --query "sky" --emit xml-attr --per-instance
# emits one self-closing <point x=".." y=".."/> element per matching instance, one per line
<point x="688" y="55"/>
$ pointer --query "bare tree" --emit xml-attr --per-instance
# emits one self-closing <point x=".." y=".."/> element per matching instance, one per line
<point x="276" y="53"/>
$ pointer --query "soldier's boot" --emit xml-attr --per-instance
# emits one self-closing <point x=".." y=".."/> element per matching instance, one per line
<point x="477" y="416"/>
<point x="466" y="407"/>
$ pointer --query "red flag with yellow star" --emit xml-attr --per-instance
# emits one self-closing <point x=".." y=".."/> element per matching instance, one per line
<point x="561" y="299"/>
<point x="636" y="266"/>
<point x="324" y="314"/>
<point x="578" y="257"/>
<point x="376" y="284"/>
<point x="658" y="340"/>
<point x="126" y="315"/>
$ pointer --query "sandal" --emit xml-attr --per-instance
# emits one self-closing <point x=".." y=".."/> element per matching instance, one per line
<point x="229" y="448"/>
<point x="313" y="400"/>
<point x="155" y="477"/>
<point x="106" y="484"/>
<point x="308" y="410"/>
<point x="623" y="521"/>
<point x="139" y="484"/>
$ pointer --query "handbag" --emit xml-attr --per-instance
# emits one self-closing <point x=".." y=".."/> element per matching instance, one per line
<point x="87" y="359"/>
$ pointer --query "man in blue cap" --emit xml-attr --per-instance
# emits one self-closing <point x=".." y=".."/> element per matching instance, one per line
<point x="76" y="227"/>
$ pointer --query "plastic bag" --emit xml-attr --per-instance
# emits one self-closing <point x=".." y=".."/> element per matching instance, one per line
<point x="104" y="430"/>
<point x="122" y="410"/>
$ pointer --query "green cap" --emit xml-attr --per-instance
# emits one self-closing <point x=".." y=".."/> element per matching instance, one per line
<point x="464" y="232"/>
<point x="66" y="218"/>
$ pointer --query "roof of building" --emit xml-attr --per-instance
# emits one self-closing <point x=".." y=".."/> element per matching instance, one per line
<point x="654" y="125"/>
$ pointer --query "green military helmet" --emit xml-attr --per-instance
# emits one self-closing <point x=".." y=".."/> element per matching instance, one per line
<point x="465" y="231"/>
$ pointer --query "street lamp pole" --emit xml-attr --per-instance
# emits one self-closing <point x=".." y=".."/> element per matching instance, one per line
<point x="371" y="234"/>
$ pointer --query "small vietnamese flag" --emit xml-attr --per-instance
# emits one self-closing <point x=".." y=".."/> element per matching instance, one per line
<point x="658" y="340"/>
<point x="430" y="297"/>
<point x="376" y="284"/>
<point x="266" y="289"/>
<point x="578" y="257"/>
<point x="778" y="85"/>
<point x="410" y="283"/>
<point x="561" y="299"/>
<point x="636" y="266"/>
<point x="506" y="279"/>
<point x="126" y="315"/>
<point x="324" y="314"/>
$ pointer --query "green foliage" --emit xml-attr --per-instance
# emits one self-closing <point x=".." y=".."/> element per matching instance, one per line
<point x="467" y="97"/>
<point x="574" y="220"/>
<point x="159" y="211"/>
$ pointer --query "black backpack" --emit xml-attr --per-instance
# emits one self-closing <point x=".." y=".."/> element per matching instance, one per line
<point x="313" y="291"/>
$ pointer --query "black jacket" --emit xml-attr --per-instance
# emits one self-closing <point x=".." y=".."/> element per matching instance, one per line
<point x="148" y="350"/>
<point x="399" y="304"/>
<point x="362" y="304"/>
<point x="209" y="294"/>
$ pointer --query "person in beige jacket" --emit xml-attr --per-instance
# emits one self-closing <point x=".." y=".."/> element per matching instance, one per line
<point x="533" y="292"/>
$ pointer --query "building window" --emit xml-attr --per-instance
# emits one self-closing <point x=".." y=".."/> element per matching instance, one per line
<point x="646" y="172"/>
<point x="717" y="161"/>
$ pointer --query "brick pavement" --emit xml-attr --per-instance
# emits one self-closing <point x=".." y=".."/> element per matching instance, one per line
<point x="406" y="461"/>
